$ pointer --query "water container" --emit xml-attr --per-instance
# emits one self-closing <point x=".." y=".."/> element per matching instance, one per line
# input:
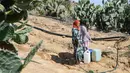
<point x="90" y="54"/>
<point x="96" y="55"/>
<point x="87" y="58"/>
<point x="90" y="51"/>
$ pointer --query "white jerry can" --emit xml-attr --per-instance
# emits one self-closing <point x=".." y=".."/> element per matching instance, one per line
<point x="96" y="55"/>
<point x="87" y="57"/>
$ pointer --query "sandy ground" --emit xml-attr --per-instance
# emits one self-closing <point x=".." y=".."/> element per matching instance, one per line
<point x="48" y="54"/>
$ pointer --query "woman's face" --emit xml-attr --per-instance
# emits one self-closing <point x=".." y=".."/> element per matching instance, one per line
<point x="78" y="24"/>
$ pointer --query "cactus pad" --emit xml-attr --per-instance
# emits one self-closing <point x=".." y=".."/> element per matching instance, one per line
<point x="2" y="14"/>
<point x="9" y="62"/>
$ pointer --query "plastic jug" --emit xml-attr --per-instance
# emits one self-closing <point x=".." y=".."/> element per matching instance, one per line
<point x="90" y="54"/>
<point x="96" y="55"/>
<point x="87" y="58"/>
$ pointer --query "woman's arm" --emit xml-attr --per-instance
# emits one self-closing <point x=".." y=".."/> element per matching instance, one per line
<point x="86" y="33"/>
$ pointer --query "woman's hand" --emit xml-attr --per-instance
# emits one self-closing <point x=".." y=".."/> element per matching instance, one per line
<point x="92" y="41"/>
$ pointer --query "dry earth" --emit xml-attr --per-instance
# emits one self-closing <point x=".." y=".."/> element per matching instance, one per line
<point x="48" y="54"/>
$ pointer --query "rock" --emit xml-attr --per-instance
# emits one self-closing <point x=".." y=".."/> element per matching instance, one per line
<point x="63" y="29"/>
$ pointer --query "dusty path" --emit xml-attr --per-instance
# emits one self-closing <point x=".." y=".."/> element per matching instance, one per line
<point x="48" y="57"/>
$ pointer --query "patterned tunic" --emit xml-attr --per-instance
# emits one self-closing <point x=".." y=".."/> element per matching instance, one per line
<point x="76" y="40"/>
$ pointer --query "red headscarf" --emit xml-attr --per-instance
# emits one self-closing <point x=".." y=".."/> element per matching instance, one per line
<point x="75" y="24"/>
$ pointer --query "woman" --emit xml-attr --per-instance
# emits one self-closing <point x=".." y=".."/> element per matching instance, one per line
<point x="76" y="40"/>
<point x="85" y="34"/>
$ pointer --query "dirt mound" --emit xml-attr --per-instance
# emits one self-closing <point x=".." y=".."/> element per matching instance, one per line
<point x="56" y="51"/>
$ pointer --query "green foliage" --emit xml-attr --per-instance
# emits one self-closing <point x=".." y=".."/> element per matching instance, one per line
<point x="11" y="29"/>
<point x="9" y="14"/>
<point x="129" y="47"/>
<point x="90" y="71"/>
<point x="55" y="8"/>
<point x="113" y="15"/>
<point x="16" y="16"/>
<point x="21" y="39"/>
<point x="7" y="3"/>
<point x="2" y="14"/>
<point x="27" y="4"/>
<point x="7" y="31"/>
<point x="31" y="54"/>
<point x="9" y="62"/>
<point x="83" y="9"/>
<point x="16" y="34"/>
<point x="14" y="12"/>
<point x="20" y="36"/>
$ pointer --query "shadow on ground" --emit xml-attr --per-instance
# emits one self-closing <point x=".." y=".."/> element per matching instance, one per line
<point x="64" y="58"/>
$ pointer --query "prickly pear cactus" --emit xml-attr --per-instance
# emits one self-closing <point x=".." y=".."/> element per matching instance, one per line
<point x="31" y="54"/>
<point x="2" y="14"/>
<point x="9" y="62"/>
<point x="7" y="3"/>
<point x="21" y="39"/>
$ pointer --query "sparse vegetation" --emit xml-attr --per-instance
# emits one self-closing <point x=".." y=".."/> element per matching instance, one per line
<point x="112" y="15"/>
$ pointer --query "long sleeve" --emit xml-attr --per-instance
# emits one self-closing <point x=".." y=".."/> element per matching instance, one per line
<point x="84" y="34"/>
